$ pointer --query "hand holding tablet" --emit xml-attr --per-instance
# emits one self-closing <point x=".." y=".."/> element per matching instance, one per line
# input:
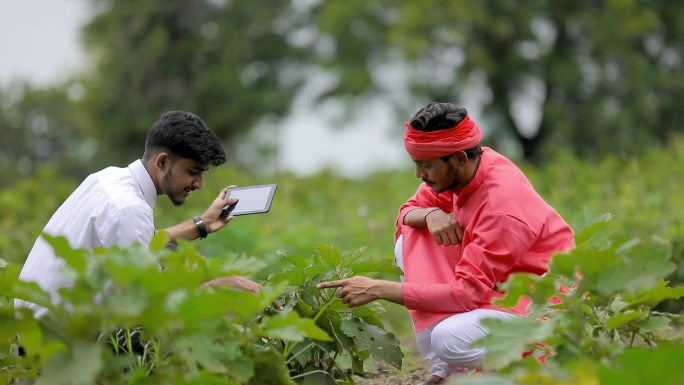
<point x="251" y="200"/>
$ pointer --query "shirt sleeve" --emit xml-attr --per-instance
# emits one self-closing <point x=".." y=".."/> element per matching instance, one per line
<point x="127" y="225"/>
<point x="423" y="198"/>
<point x="494" y="247"/>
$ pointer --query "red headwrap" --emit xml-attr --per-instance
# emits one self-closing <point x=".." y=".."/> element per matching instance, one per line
<point x="422" y="145"/>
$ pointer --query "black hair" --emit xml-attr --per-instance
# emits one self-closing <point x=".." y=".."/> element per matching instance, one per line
<point x="441" y="116"/>
<point x="185" y="135"/>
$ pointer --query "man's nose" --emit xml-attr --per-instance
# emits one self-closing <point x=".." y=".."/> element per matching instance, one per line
<point x="198" y="183"/>
<point x="419" y="173"/>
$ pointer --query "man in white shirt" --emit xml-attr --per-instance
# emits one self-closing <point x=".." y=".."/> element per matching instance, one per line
<point x="114" y="206"/>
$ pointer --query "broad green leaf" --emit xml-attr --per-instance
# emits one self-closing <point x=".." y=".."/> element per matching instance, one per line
<point x="329" y="254"/>
<point x="296" y="260"/>
<point x="313" y="376"/>
<point x="28" y="291"/>
<point x="270" y="369"/>
<point x="241" y="368"/>
<point x="369" y="264"/>
<point x="201" y="351"/>
<point x="219" y="304"/>
<point x="291" y="327"/>
<point x="159" y="241"/>
<point x="644" y="266"/>
<point x="617" y="304"/>
<point x="295" y="277"/>
<point x="80" y="366"/>
<point x="654" y="323"/>
<point x="590" y="225"/>
<point x="350" y="258"/>
<point x="380" y="343"/>
<point x="238" y="265"/>
<point x="509" y="338"/>
<point x="620" y="319"/>
<point x="662" y="366"/>
<point x="590" y="261"/>
<point x="369" y="313"/>
<point x="519" y="285"/>
<point x="75" y="259"/>
<point x="660" y="292"/>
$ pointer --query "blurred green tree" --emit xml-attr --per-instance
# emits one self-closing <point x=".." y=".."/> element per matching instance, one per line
<point x="228" y="61"/>
<point x="589" y="76"/>
<point x="40" y="127"/>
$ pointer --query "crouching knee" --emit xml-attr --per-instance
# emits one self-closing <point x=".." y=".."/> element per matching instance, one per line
<point x="453" y="346"/>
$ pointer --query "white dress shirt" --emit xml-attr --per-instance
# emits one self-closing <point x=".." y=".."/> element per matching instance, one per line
<point x="111" y="207"/>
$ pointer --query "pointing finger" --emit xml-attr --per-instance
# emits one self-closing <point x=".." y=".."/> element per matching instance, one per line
<point x="324" y="285"/>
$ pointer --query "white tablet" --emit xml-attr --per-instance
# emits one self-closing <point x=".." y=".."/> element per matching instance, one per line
<point x="251" y="199"/>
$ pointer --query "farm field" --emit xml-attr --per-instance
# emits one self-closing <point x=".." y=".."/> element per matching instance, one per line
<point x="621" y="322"/>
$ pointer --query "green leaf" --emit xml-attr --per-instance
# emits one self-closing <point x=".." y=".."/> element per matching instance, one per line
<point x="313" y="376"/>
<point x="159" y="241"/>
<point x="643" y="267"/>
<point x="78" y="367"/>
<point x="76" y="259"/>
<point x="590" y="225"/>
<point x="270" y="369"/>
<point x="200" y="351"/>
<point x="662" y="366"/>
<point x="520" y="284"/>
<point x="623" y="318"/>
<point x="329" y="254"/>
<point x="509" y="338"/>
<point x="293" y="259"/>
<point x="380" y="343"/>
<point x="295" y="277"/>
<point x="369" y="264"/>
<point x="291" y="327"/>
<point x="660" y="292"/>
<point x="654" y="323"/>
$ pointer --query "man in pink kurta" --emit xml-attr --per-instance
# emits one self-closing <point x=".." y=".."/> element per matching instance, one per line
<point x="475" y="220"/>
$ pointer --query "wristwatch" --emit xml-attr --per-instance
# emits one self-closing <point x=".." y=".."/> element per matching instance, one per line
<point x="200" y="226"/>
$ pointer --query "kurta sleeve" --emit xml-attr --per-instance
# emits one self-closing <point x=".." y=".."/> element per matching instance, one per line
<point x="493" y="247"/>
<point x="424" y="197"/>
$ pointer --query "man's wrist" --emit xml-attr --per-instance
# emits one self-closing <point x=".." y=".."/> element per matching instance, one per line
<point x="201" y="227"/>
<point x="387" y="290"/>
<point x="430" y="212"/>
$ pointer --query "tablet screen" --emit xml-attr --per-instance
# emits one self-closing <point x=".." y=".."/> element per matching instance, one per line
<point x="252" y="199"/>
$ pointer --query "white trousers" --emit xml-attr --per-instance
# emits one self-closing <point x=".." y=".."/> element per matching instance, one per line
<point x="447" y="343"/>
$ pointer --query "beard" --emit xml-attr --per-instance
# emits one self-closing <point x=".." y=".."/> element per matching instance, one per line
<point x="452" y="181"/>
<point x="172" y="192"/>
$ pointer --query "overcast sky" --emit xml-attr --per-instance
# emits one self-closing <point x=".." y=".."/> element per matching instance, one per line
<point x="39" y="42"/>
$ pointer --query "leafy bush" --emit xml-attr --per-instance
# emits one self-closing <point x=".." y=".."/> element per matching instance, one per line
<point x="601" y="328"/>
<point x="186" y="334"/>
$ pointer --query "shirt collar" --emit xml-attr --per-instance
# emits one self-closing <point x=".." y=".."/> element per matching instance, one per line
<point x="145" y="182"/>
<point x="477" y="180"/>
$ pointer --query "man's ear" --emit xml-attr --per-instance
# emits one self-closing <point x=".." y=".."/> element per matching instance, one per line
<point x="459" y="158"/>
<point x="162" y="161"/>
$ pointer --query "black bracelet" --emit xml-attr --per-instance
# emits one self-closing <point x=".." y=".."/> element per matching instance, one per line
<point x="200" y="226"/>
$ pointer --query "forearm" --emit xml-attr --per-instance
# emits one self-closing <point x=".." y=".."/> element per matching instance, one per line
<point x="185" y="230"/>
<point x="417" y="217"/>
<point x="389" y="291"/>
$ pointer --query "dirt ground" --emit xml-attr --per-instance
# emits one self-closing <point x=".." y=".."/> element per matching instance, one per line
<point x="391" y="376"/>
<point x="415" y="370"/>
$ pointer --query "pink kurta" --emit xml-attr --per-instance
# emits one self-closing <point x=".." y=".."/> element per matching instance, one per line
<point x="507" y="228"/>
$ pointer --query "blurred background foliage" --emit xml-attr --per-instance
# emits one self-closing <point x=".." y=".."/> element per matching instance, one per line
<point x="585" y="76"/>
<point x="643" y="194"/>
